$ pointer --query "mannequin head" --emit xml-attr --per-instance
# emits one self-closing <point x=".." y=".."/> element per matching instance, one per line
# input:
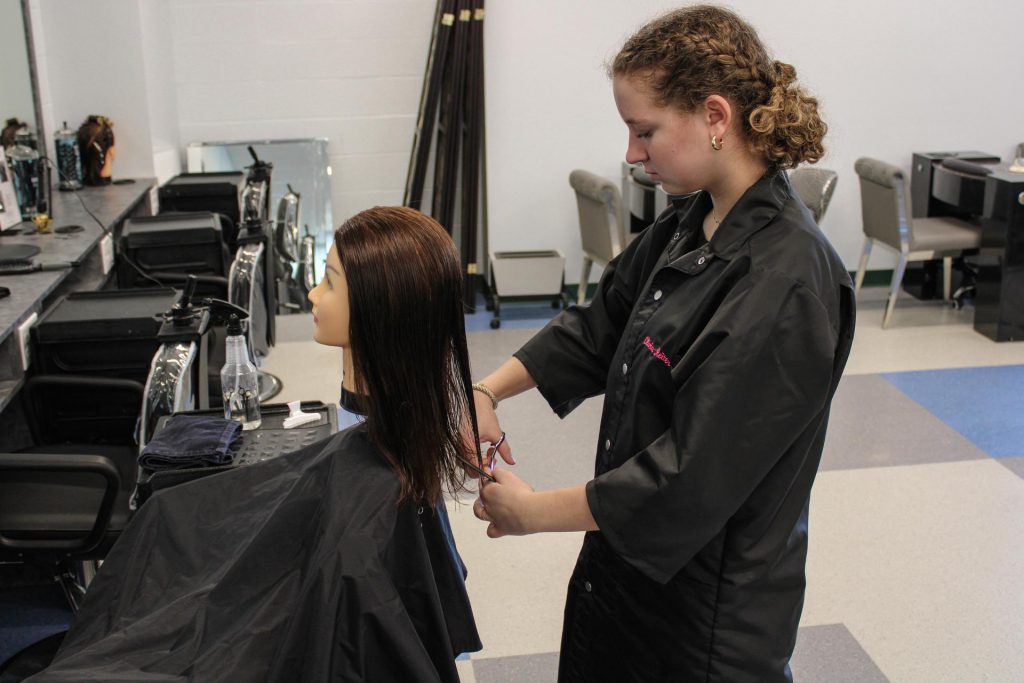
<point x="96" y="144"/>
<point x="392" y="297"/>
<point x="10" y="129"/>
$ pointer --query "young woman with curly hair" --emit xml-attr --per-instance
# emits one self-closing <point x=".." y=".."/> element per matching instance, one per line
<point x="718" y="338"/>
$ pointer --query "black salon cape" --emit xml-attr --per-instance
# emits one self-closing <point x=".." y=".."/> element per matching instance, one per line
<point x="299" y="568"/>
<point x="718" y="363"/>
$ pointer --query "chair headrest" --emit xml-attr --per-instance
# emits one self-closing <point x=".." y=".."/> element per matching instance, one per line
<point x="594" y="186"/>
<point x="878" y="172"/>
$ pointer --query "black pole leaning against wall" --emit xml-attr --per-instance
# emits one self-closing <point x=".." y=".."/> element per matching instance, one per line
<point x="451" y="116"/>
<point x="449" y="129"/>
<point x="471" y="156"/>
<point x="483" y="274"/>
<point x="443" y="105"/>
<point x="427" y="118"/>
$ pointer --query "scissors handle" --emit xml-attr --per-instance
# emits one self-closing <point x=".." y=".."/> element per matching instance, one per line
<point x="494" y="451"/>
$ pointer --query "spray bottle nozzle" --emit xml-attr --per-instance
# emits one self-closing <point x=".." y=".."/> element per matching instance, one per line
<point x="225" y="311"/>
<point x="234" y="326"/>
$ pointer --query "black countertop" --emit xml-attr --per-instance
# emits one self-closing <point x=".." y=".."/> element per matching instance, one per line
<point x="110" y="204"/>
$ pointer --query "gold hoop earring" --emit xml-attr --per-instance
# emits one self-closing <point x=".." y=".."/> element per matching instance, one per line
<point x="716" y="144"/>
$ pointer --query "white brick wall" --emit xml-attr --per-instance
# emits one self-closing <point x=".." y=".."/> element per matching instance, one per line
<point x="349" y="71"/>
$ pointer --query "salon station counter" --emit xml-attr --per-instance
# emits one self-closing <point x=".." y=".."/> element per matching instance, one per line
<point x="89" y="252"/>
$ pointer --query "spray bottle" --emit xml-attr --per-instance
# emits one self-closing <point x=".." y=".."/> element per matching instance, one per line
<point x="238" y="379"/>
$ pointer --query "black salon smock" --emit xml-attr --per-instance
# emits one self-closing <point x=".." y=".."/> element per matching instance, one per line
<point x="299" y="568"/>
<point x="718" y="362"/>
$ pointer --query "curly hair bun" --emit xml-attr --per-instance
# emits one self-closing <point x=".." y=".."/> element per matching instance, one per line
<point x="788" y="129"/>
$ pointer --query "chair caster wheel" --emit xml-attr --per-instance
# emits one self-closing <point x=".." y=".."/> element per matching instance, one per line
<point x="495" y="324"/>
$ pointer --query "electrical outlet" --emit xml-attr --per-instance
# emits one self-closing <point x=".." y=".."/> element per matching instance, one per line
<point x="107" y="253"/>
<point x="24" y="330"/>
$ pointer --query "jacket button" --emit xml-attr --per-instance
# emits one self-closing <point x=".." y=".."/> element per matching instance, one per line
<point x="657" y="295"/>
<point x="625" y="368"/>
<point x="588" y="587"/>
<point x="607" y="444"/>
<point x="701" y="260"/>
<point x="675" y="236"/>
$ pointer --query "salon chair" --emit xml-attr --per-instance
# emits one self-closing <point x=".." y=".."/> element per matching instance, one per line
<point x="217" y="192"/>
<point x="72" y="417"/>
<point x="886" y="213"/>
<point x="99" y="358"/>
<point x="288" y="245"/>
<point x="60" y="510"/>
<point x="173" y="247"/>
<point x="307" y="268"/>
<point x="65" y="501"/>
<point x="602" y="234"/>
<point x="814" y="186"/>
<point x="170" y="247"/>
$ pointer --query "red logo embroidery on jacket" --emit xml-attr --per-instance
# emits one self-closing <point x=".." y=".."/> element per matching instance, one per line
<point x="657" y="352"/>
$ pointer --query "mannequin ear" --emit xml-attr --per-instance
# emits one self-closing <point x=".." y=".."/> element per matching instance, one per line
<point x="718" y="114"/>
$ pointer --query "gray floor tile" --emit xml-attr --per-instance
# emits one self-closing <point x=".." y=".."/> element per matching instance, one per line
<point x="874" y="424"/>
<point x="823" y="654"/>
<point x="830" y="654"/>
<point x="534" y="668"/>
<point x="1015" y="465"/>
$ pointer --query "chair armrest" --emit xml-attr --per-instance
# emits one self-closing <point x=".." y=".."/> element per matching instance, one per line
<point x="44" y="463"/>
<point x="39" y="382"/>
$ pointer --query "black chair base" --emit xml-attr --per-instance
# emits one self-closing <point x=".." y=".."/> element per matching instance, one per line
<point x="32" y="659"/>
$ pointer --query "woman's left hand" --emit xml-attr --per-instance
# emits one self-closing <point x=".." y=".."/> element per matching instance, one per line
<point x="506" y="504"/>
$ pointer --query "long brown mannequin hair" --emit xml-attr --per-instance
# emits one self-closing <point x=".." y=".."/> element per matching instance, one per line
<point x="408" y="343"/>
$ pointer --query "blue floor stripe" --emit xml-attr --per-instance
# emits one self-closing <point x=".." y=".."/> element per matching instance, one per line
<point x="514" y="316"/>
<point x="28" y="614"/>
<point x="985" y="405"/>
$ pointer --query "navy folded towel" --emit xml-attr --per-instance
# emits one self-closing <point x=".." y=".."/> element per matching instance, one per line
<point x="189" y="441"/>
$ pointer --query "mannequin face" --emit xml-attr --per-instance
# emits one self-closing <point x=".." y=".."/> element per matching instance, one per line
<point x="330" y="304"/>
<point x="673" y="146"/>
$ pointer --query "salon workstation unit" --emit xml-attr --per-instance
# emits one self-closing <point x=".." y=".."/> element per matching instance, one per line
<point x="89" y="253"/>
<point x="978" y="187"/>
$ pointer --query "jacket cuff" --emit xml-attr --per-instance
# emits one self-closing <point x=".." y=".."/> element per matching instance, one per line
<point x="561" y="406"/>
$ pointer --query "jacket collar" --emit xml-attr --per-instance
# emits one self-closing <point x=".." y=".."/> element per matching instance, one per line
<point x="755" y="209"/>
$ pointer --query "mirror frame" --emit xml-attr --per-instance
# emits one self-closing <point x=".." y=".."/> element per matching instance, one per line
<point x="33" y="74"/>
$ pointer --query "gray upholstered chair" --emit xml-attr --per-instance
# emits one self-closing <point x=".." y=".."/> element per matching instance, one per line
<point x="601" y="231"/>
<point x="885" y="209"/>
<point x="814" y="186"/>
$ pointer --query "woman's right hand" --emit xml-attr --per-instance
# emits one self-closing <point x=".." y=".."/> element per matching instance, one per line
<point x="490" y="429"/>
